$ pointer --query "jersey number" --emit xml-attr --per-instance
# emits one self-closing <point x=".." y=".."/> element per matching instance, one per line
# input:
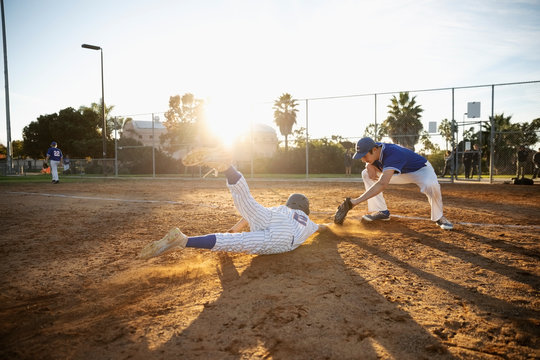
<point x="300" y="218"/>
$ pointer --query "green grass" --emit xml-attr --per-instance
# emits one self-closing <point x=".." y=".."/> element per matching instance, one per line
<point x="46" y="178"/>
<point x="40" y="178"/>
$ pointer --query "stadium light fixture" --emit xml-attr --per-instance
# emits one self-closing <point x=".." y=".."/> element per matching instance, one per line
<point x="104" y="131"/>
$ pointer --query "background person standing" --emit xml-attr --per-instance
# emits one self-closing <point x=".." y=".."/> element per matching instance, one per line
<point x="67" y="164"/>
<point x="468" y="156"/>
<point x="521" y="162"/>
<point x="536" y="164"/>
<point x="54" y="154"/>
<point x="475" y="160"/>
<point x="348" y="162"/>
<point x="449" y="160"/>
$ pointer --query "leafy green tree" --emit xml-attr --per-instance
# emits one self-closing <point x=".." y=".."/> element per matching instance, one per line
<point x="529" y="132"/>
<point x="76" y="131"/>
<point x="285" y="115"/>
<point x="338" y="139"/>
<point x="508" y="137"/>
<point x="95" y="107"/>
<point x="427" y="145"/>
<point x="3" y="149"/>
<point x="403" y="123"/>
<point x="470" y="135"/>
<point x="446" y="128"/>
<point x="184" y="122"/>
<point x="118" y="124"/>
<point x="18" y="151"/>
<point x="369" y="131"/>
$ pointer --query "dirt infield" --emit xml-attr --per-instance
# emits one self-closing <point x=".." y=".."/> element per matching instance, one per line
<point x="72" y="288"/>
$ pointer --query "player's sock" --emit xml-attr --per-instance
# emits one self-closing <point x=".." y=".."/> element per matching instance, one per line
<point x="232" y="175"/>
<point x="202" y="242"/>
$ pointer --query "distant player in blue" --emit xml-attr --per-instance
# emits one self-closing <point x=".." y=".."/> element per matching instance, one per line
<point x="390" y="163"/>
<point x="54" y="157"/>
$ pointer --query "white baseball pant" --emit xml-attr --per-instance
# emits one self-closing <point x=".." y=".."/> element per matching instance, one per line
<point x="54" y="169"/>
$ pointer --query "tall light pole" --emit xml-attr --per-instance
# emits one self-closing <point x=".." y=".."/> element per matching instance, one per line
<point x="8" y="121"/>
<point x="104" y="131"/>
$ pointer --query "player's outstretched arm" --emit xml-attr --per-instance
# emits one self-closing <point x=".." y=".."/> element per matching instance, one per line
<point x="323" y="227"/>
<point x="377" y="188"/>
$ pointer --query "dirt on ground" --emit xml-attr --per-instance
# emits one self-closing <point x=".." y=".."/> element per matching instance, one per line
<point x="71" y="286"/>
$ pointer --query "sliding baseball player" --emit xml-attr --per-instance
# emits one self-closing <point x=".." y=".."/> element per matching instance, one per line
<point x="272" y="230"/>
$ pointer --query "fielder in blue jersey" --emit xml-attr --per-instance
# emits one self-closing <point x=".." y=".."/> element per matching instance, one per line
<point x="393" y="164"/>
<point x="54" y="157"/>
<point x="272" y="230"/>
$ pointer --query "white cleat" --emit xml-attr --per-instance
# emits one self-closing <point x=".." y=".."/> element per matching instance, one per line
<point x="445" y="224"/>
<point x="175" y="239"/>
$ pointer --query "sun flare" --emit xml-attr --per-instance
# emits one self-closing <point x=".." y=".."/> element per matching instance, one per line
<point x="227" y="121"/>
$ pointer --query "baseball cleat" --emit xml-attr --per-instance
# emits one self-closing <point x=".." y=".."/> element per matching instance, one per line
<point x="175" y="239"/>
<point x="377" y="215"/>
<point x="214" y="158"/>
<point x="445" y="224"/>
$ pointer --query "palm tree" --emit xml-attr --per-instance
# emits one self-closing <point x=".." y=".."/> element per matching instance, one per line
<point x="427" y="145"/>
<point x="446" y="129"/>
<point x="403" y="123"/>
<point x="285" y="115"/>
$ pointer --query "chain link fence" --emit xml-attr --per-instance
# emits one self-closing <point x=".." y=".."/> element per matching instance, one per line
<point x="492" y="145"/>
<point x="510" y="105"/>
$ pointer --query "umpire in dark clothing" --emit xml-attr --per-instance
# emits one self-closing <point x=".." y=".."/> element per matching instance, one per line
<point x="449" y="159"/>
<point x="475" y="160"/>
<point x="536" y="164"/>
<point x="468" y="156"/>
<point x="522" y="156"/>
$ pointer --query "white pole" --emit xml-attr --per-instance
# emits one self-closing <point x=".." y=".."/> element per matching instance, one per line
<point x="153" y="149"/>
<point x="307" y="141"/>
<point x="9" y="154"/>
<point x="115" y="148"/>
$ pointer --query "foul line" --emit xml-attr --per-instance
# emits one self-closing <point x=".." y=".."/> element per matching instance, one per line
<point x="215" y="207"/>
<point x="111" y="199"/>
<point x="473" y="224"/>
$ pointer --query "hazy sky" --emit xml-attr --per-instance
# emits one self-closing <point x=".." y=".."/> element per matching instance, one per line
<point x="247" y="53"/>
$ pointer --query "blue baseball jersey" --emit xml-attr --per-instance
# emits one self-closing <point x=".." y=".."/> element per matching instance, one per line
<point x="54" y="153"/>
<point x="399" y="159"/>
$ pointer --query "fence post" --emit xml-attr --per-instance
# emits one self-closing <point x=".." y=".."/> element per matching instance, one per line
<point x="452" y="128"/>
<point x="115" y="147"/>
<point x="307" y="141"/>
<point x="153" y="148"/>
<point x="492" y="135"/>
<point x="375" y="133"/>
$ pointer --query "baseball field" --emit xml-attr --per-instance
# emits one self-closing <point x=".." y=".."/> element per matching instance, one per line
<point x="71" y="286"/>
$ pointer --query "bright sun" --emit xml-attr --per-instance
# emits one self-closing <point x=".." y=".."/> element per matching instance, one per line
<point x="227" y="121"/>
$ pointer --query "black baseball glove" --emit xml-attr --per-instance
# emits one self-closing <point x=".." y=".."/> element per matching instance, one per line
<point x="342" y="211"/>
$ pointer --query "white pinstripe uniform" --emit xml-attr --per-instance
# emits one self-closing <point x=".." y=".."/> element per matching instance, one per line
<point x="273" y="230"/>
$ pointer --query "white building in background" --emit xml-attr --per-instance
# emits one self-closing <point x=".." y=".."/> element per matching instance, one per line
<point x="264" y="143"/>
<point x="142" y="131"/>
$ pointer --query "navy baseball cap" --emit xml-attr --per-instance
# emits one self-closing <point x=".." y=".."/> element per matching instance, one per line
<point x="53" y="143"/>
<point x="363" y="146"/>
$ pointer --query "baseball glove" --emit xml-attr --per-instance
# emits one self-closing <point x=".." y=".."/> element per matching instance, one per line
<point x="342" y="211"/>
<point x="196" y="156"/>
